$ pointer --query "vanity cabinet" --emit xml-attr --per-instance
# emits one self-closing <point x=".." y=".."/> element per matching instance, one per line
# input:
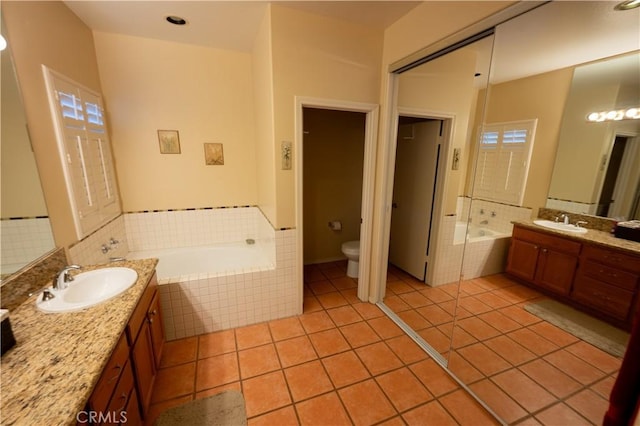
<point x="545" y="260"/>
<point x="123" y="392"/>
<point x="607" y="280"/>
<point x="601" y="280"/>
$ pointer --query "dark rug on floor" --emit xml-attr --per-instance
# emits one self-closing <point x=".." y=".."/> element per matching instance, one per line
<point x="600" y="334"/>
<point x="223" y="409"/>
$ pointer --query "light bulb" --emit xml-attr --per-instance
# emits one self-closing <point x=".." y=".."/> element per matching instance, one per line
<point x="3" y="43"/>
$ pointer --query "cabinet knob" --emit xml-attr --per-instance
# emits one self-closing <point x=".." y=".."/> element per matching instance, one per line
<point x="116" y="375"/>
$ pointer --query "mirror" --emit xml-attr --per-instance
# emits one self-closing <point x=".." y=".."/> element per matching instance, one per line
<point x="26" y="231"/>
<point x="436" y="101"/>
<point x="608" y="148"/>
<point x="521" y="367"/>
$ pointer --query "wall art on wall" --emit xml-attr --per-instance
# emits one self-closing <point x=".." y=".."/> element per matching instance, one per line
<point x="169" y="141"/>
<point x="213" y="154"/>
<point x="455" y="165"/>
<point x="286" y="155"/>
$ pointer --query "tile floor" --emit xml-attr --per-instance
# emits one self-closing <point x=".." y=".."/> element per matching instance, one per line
<point x="527" y="370"/>
<point x="341" y="362"/>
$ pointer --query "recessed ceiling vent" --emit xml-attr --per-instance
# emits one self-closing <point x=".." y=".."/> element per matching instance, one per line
<point x="176" y="20"/>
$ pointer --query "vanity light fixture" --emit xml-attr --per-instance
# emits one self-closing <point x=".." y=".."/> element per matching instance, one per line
<point x="615" y="115"/>
<point x="627" y="5"/>
<point x="176" y="20"/>
<point x="3" y="43"/>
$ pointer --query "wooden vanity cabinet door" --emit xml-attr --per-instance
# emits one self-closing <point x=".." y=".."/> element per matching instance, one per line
<point x="156" y="328"/>
<point x="556" y="270"/>
<point x="523" y="259"/>
<point x="144" y="366"/>
<point x="544" y="260"/>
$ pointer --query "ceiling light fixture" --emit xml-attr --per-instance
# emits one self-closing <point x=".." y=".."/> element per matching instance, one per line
<point x="614" y="115"/>
<point x="627" y="5"/>
<point x="176" y="20"/>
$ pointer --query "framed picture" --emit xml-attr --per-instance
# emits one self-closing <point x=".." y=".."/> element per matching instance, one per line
<point x="213" y="154"/>
<point x="169" y="141"/>
<point x="285" y="147"/>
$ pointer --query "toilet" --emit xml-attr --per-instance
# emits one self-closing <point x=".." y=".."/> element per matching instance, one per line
<point x="351" y="249"/>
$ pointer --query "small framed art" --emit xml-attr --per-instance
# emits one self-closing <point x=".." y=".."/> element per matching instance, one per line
<point x="213" y="154"/>
<point x="169" y="141"/>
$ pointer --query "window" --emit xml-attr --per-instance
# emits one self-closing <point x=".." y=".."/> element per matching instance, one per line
<point x="85" y="151"/>
<point x="503" y="161"/>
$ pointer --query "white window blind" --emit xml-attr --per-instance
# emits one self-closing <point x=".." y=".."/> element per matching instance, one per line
<point x="503" y="161"/>
<point x="85" y="150"/>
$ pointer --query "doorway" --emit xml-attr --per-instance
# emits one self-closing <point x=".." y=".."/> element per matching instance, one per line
<point x="332" y="177"/>
<point x="619" y="192"/>
<point x="414" y="190"/>
<point x="368" y="173"/>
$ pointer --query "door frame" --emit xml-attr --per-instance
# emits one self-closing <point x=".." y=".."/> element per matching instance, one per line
<point x="449" y="120"/>
<point x="368" y="180"/>
<point x="625" y="171"/>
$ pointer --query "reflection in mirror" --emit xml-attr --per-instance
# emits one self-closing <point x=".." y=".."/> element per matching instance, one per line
<point x="436" y="102"/>
<point x="521" y="363"/>
<point x="26" y="232"/>
<point x="609" y="150"/>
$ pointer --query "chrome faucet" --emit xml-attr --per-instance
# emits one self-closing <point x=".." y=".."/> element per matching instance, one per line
<point x="564" y="217"/>
<point x="581" y="222"/>
<point x="62" y="278"/>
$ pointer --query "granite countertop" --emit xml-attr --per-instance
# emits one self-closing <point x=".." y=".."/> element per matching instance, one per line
<point x="593" y="236"/>
<point x="49" y="375"/>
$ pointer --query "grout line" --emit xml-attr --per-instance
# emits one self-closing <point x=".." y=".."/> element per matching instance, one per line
<point x="438" y="358"/>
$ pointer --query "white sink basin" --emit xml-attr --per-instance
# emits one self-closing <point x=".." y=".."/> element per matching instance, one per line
<point x="89" y="289"/>
<point x="560" y="226"/>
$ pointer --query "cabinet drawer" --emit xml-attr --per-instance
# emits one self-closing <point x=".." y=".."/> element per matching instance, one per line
<point x="120" y="399"/>
<point x="613" y="276"/>
<point x="546" y="240"/>
<point x="111" y="374"/>
<point x="608" y="299"/>
<point x="614" y="258"/>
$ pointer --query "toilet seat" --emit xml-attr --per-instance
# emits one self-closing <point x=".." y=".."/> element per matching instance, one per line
<point x="351" y="248"/>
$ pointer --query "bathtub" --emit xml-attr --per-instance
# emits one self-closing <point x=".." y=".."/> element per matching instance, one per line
<point x="222" y="259"/>
<point x="485" y="251"/>
<point x="475" y="233"/>
<point x="227" y="285"/>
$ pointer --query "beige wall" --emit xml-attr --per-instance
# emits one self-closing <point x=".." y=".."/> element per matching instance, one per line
<point x="543" y="97"/>
<point x="21" y="191"/>
<point x="49" y="33"/>
<point x="263" y="107"/>
<point x="444" y="86"/>
<point x="204" y="93"/>
<point x="333" y="161"/>
<point x="316" y="56"/>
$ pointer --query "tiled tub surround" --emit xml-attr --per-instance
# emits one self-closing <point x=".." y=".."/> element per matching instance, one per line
<point x="24" y="240"/>
<point x="89" y="251"/>
<point x="50" y="373"/>
<point x="483" y="255"/>
<point x="196" y="302"/>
